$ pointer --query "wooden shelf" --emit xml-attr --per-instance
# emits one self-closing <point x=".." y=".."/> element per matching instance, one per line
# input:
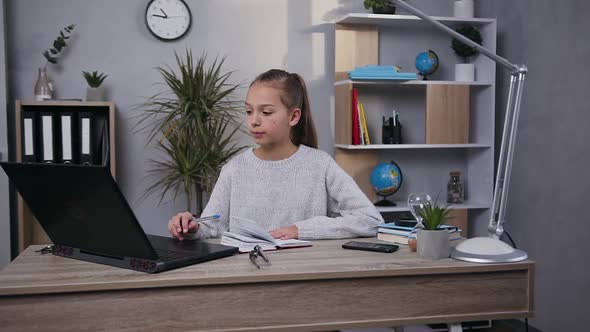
<point x="29" y="230"/>
<point x="410" y="146"/>
<point x="405" y="20"/>
<point x="403" y="206"/>
<point x="407" y="82"/>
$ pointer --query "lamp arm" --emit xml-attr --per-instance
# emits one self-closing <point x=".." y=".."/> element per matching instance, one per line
<point x="518" y="72"/>
<point x="512" y="67"/>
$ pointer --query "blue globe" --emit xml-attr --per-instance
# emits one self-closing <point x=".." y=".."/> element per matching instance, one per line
<point x="427" y="63"/>
<point x="386" y="179"/>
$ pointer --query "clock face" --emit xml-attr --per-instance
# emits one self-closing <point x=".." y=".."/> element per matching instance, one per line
<point x="168" y="19"/>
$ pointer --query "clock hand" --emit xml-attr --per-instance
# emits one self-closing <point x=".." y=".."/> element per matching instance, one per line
<point x="163" y="12"/>
<point x="162" y="16"/>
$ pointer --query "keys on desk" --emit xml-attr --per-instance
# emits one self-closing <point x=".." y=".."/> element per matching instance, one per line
<point x="45" y="250"/>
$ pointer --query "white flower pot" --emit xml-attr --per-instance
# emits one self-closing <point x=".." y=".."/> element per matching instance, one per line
<point x="463" y="8"/>
<point x="465" y="72"/>
<point x="433" y="244"/>
<point x="94" y="94"/>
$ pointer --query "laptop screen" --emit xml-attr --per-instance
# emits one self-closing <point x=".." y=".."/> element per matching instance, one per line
<point x="81" y="207"/>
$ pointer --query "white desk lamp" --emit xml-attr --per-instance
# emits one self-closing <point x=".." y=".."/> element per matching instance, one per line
<point x="491" y="249"/>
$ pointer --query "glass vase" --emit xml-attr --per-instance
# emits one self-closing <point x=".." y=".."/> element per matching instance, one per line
<point x="42" y="86"/>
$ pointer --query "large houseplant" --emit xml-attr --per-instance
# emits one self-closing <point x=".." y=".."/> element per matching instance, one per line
<point x="465" y="71"/>
<point x="433" y="241"/>
<point x="194" y="124"/>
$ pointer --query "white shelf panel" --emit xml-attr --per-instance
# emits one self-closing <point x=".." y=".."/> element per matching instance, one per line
<point x="408" y="82"/>
<point x="403" y="206"/>
<point x="411" y="146"/>
<point x="406" y="20"/>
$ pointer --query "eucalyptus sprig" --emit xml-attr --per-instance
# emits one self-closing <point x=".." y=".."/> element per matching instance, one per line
<point x="59" y="43"/>
<point x="94" y="79"/>
<point x="434" y="215"/>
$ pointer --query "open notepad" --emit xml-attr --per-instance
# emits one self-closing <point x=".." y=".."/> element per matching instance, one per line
<point x="246" y="234"/>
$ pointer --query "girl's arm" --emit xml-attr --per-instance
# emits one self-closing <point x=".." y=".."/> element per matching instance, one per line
<point x="350" y="213"/>
<point x="218" y="204"/>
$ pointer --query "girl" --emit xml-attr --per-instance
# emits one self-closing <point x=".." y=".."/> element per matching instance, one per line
<point x="286" y="184"/>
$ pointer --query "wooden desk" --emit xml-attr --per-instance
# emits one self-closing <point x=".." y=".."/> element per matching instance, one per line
<point x="319" y="288"/>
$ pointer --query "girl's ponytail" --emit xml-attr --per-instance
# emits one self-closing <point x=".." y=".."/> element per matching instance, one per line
<point x="294" y="95"/>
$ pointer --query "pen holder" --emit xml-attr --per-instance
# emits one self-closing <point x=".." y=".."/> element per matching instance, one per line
<point x="391" y="134"/>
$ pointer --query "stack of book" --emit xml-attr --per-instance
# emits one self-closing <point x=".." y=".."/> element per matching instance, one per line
<point x="380" y="73"/>
<point x="391" y="232"/>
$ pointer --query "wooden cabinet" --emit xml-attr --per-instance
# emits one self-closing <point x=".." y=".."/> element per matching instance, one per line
<point x="447" y="125"/>
<point x="103" y="113"/>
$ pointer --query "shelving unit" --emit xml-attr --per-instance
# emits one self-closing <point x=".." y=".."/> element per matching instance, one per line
<point x="425" y="159"/>
<point x="29" y="230"/>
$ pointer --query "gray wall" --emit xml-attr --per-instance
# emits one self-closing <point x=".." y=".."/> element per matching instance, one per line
<point x="255" y="35"/>
<point x="4" y="202"/>
<point x="550" y="185"/>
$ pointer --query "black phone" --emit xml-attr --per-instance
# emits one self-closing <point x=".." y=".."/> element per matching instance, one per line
<point x="379" y="247"/>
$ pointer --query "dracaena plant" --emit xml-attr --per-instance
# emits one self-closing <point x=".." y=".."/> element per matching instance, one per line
<point x="194" y="123"/>
<point x="433" y="216"/>
<point x="94" y="79"/>
<point x="60" y="42"/>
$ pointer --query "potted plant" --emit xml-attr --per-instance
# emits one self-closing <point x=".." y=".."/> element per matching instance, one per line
<point x="94" y="92"/>
<point x="465" y="71"/>
<point x="433" y="241"/>
<point x="380" y="6"/>
<point x="43" y="86"/>
<point x="463" y="8"/>
<point x="193" y="124"/>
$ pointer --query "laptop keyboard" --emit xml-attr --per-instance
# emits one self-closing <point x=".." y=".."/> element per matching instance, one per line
<point x="167" y="255"/>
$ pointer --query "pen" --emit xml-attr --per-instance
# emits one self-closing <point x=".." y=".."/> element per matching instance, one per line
<point x="195" y="219"/>
<point x="215" y="216"/>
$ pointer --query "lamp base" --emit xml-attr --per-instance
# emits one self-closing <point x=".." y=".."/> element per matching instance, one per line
<point x="487" y="250"/>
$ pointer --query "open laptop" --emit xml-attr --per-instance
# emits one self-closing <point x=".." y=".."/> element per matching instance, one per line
<point x="87" y="217"/>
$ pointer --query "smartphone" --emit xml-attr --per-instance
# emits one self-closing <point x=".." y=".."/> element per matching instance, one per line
<point x="379" y="247"/>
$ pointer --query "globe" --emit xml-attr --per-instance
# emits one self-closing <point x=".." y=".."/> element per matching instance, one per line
<point x="386" y="179"/>
<point x="427" y="63"/>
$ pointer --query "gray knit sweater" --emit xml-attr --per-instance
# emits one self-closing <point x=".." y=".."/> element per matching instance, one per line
<point x="307" y="189"/>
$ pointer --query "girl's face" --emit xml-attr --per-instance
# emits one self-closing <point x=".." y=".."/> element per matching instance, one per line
<point x="269" y="120"/>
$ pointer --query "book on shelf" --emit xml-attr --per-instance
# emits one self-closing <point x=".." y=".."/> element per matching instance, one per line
<point x="355" y="118"/>
<point x="245" y="234"/>
<point x="372" y="72"/>
<point x="364" y="128"/>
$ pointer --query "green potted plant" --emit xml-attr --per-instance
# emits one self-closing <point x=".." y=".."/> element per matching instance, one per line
<point x="94" y="91"/>
<point x="43" y="86"/>
<point x="380" y="6"/>
<point x="433" y="241"/>
<point x="194" y="124"/>
<point x="465" y="71"/>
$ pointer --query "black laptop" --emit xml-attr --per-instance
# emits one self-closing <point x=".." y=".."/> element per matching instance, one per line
<point x="86" y="216"/>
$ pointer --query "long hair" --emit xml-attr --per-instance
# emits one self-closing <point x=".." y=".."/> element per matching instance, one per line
<point x="293" y="95"/>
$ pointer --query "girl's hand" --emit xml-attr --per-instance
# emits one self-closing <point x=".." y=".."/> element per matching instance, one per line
<point x="285" y="233"/>
<point x="181" y="223"/>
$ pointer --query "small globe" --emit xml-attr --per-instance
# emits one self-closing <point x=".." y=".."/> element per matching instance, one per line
<point x="427" y="63"/>
<point x="386" y="179"/>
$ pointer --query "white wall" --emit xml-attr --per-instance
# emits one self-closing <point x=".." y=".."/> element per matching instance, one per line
<point x="4" y="201"/>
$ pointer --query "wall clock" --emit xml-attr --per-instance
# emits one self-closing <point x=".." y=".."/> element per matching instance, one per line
<point x="168" y="19"/>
